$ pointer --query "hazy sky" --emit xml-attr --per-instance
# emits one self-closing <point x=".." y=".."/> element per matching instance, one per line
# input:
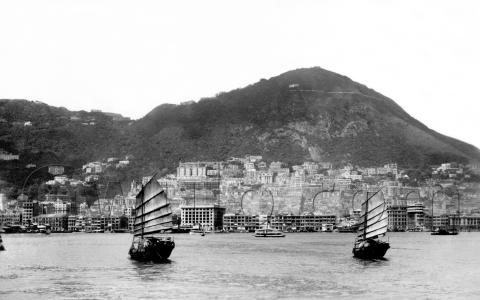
<point x="130" y="56"/>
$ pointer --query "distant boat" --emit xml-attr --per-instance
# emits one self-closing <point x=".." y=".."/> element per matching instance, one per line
<point x="45" y="229"/>
<point x="373" y="224"/>
<point x="444" y="231"/>
<point x="352" y="228"/>
<point x="197" y="232"/>
<point x="2" y="248"/>
<point x="268" y="232"/>
<point x="153" y="217"/>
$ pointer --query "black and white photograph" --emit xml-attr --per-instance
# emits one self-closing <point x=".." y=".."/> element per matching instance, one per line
<point x="217" y="149"/>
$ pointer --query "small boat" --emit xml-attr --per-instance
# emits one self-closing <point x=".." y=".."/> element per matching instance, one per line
<point x="197" y="232"/>
<point x="348" y="228"/>
<point x="45" y="229"/>
<point x="374" y="224"/>
<point x="153" y="217"/>
<point x="2" y="248"/>
<point x="327" y="227"/>
<point x="268" y="232"/>
<point x="444" y="231"/>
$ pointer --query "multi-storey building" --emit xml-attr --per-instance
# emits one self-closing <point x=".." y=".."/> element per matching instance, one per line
<point x="307" y="222"/>
<point x="209" y="217"/>
<point x="397" y="218"/>
<point x="240" y="222"/>
<point x="57" y="222"/>
<point x="415" y="216"/>
<point x="10" y="217"/>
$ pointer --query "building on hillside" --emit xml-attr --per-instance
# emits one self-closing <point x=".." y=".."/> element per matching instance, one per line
<point x="8" y="156"/>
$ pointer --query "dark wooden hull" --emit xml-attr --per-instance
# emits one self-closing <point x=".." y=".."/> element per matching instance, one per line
<point x="151" y="249"/>
<point x="370" y="249"/>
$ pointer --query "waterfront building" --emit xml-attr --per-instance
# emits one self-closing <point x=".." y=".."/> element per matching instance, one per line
<point x="3" y="201"/>
<point x="9" y="217"/>
<point x="397" y="218"/>
<point x="71" y="222"/>
<point x="29" y="210"/>
<point x="440" y="221"/>
<point x="209" y="217"/>
<point x="415" y="216"/>
<point x="57" y="222"/>
<point x="306" y="222"/>
<point x="240" y="222"/>
<point x="465" y="222"/>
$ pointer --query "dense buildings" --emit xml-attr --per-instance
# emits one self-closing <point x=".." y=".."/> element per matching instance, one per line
<point x="235" y="195"/>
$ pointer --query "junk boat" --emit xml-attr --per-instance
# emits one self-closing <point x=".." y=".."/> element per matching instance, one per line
<point x="153" y="217"/>
<point x="373" y="224"/>
<point x="268" y="232"/>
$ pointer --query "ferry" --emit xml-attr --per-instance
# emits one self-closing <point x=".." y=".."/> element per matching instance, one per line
<point x="268" y="232"/>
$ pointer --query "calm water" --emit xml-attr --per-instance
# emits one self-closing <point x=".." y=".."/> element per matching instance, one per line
<point x="231" y="266"/>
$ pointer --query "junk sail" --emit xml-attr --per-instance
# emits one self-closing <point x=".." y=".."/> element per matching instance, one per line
<point x="374" y="216"/>
<point x="153" y="216"/>
<point x="374" y="223"/>
<point x="152" y="211"/>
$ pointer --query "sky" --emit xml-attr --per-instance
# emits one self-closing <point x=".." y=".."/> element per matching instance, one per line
<point x="131" y="56"/>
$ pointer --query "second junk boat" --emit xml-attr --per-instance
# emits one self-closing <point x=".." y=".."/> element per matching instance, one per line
<point x="373" y="224"/>
<point x="153" y="217"/>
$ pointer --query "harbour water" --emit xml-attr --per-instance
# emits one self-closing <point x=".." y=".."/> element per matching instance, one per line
<point x="239" y="266"/>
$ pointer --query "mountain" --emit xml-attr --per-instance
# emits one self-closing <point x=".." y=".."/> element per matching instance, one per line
<point x="43" y="134"/>
<point x="304" y="114"/>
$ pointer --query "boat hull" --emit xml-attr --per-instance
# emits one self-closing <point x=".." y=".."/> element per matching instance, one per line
<point x="151" y="249"/>
<point x="370" y="249"/>
<point x="263" y="235"/>
<point x="444" y="232"/>
<point x="197" y="232"/>
<point x="268" y="232"/>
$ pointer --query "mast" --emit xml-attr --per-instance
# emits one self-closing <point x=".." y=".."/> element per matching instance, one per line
<point x="366" y="219"/>
<point x="194" y="212"/>
<point x="143" y="214"/>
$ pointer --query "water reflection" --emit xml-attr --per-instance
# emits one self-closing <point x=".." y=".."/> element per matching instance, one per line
<point x="371" y="262"/>
<point x="149" y="271"/>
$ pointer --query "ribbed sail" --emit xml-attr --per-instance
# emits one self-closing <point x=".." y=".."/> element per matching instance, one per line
<point x="375" y="220"/>
<point x="152" y="211"/>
